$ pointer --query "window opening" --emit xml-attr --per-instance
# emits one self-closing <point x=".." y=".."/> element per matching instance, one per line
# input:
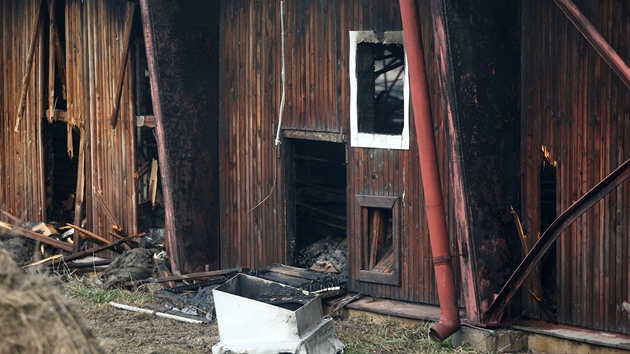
<point x="381" y="81"/>
<point x="379" y="236"/>
<point x="381" y="257"/>
<point x="379" y="92"/>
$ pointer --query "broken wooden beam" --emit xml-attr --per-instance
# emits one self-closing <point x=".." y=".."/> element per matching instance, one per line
<point x="191" y="276"/>
<point x="58" y="51"/>
<point x="35" y="236"/>
<point x="113" y="120"/>
<point x="88" y="252"/>
<point x="88" y="235"/>
<point x="145" y="121"/>
<point x="29" y="65"/>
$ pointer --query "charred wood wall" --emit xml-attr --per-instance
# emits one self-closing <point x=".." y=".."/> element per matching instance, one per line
<point x="480" y="83"/>
<point x="574" y="104"/>
<point x="95" y="38"/>
<point x="93" y="42"/>
<point x="182" y="52"/>
<point x="21" y="153"/>
<point x="253" y="186"/>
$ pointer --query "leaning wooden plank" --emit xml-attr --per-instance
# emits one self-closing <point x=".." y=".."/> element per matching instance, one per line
<point x="79" y="196"/>
<point x="88" y="252"/>
<point x="51" y="258"/>
<point x="113" y="120"/>
<point x="58" y="51"/>
<point x="294" y="272"/>
<point x="153" y="181"/>
<point x="14" y="218"/>
<point x="35" y="236"/>
<point x="159" y="314"/>
<point x="90" y="235"/>
<point x="29" y="64"/>
<point x="51" y="63"/>
<point x="376" y="235"/>
<point x="191" y="276"/>
<point x="99" y="195"/>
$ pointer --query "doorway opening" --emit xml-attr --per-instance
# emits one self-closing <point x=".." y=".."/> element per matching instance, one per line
<point x="317" y="205"/>
<point x="61" y="171"/>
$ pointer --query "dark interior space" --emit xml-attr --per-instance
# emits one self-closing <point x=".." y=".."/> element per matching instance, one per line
<point x="317" y="203"/>
<point x="547" y="216"/>
<point x="142" y="86"/>
<point x="59" y="31"/>
<point x="381" y="78"/>
<point x="150" y="200"/>
<point x="61" y="171"/>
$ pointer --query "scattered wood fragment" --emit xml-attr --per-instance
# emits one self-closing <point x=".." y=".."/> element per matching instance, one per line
<point x="52" y="258"/>
<point x="192" y="276"/>
<point x="88" y="235"/>
<point x="153" y="181"/>
<point x="344" y="302"/>
<point x="159" y="314"/>
<point x="110" y="215"/>
<point x="35" y="236"/>
<point x="164" y="272"/>
<point x="88" y="252"/>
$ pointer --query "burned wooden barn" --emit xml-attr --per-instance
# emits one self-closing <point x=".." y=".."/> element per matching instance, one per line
<point x="280" y="125"/>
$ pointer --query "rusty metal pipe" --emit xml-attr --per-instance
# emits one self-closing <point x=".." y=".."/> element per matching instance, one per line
<point x="449" y="321"/>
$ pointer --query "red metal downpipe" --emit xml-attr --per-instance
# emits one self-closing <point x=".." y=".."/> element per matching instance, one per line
<point x="449" y="321"/>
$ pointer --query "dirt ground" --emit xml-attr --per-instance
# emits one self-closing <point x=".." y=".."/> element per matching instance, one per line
<point x="123" y="331"/>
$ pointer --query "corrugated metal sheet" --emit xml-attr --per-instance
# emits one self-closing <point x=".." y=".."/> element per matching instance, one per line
<point x="575" y="105"/>
<point x="317" y="100"/>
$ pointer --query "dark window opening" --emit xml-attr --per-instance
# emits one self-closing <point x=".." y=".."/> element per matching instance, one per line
<point x="547" y="216"/>
<point x="61" y="171"/>
<point x="380" y="92"/>
<point x="317" y="205"/>
<point x="380" y="239"/>
<point x="379" y="236"/>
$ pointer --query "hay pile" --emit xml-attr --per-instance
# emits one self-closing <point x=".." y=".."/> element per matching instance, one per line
<point x="35" y="317"/>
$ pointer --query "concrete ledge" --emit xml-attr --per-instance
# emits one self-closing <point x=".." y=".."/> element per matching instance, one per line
<point x="550" y="338"/>
<point x="491" y="340"/>
<point x="403" y="309"/>
<point x="526" y="336"/>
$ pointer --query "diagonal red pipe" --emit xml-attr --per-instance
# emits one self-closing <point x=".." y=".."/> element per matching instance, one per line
<point x="449" y="321"/>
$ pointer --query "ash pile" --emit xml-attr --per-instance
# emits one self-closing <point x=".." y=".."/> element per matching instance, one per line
<point x="329" y="255"/>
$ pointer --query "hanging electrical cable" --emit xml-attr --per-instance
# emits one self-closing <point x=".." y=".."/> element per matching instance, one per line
<point x="281" y="113"/>
<point x="282" y="75"/>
